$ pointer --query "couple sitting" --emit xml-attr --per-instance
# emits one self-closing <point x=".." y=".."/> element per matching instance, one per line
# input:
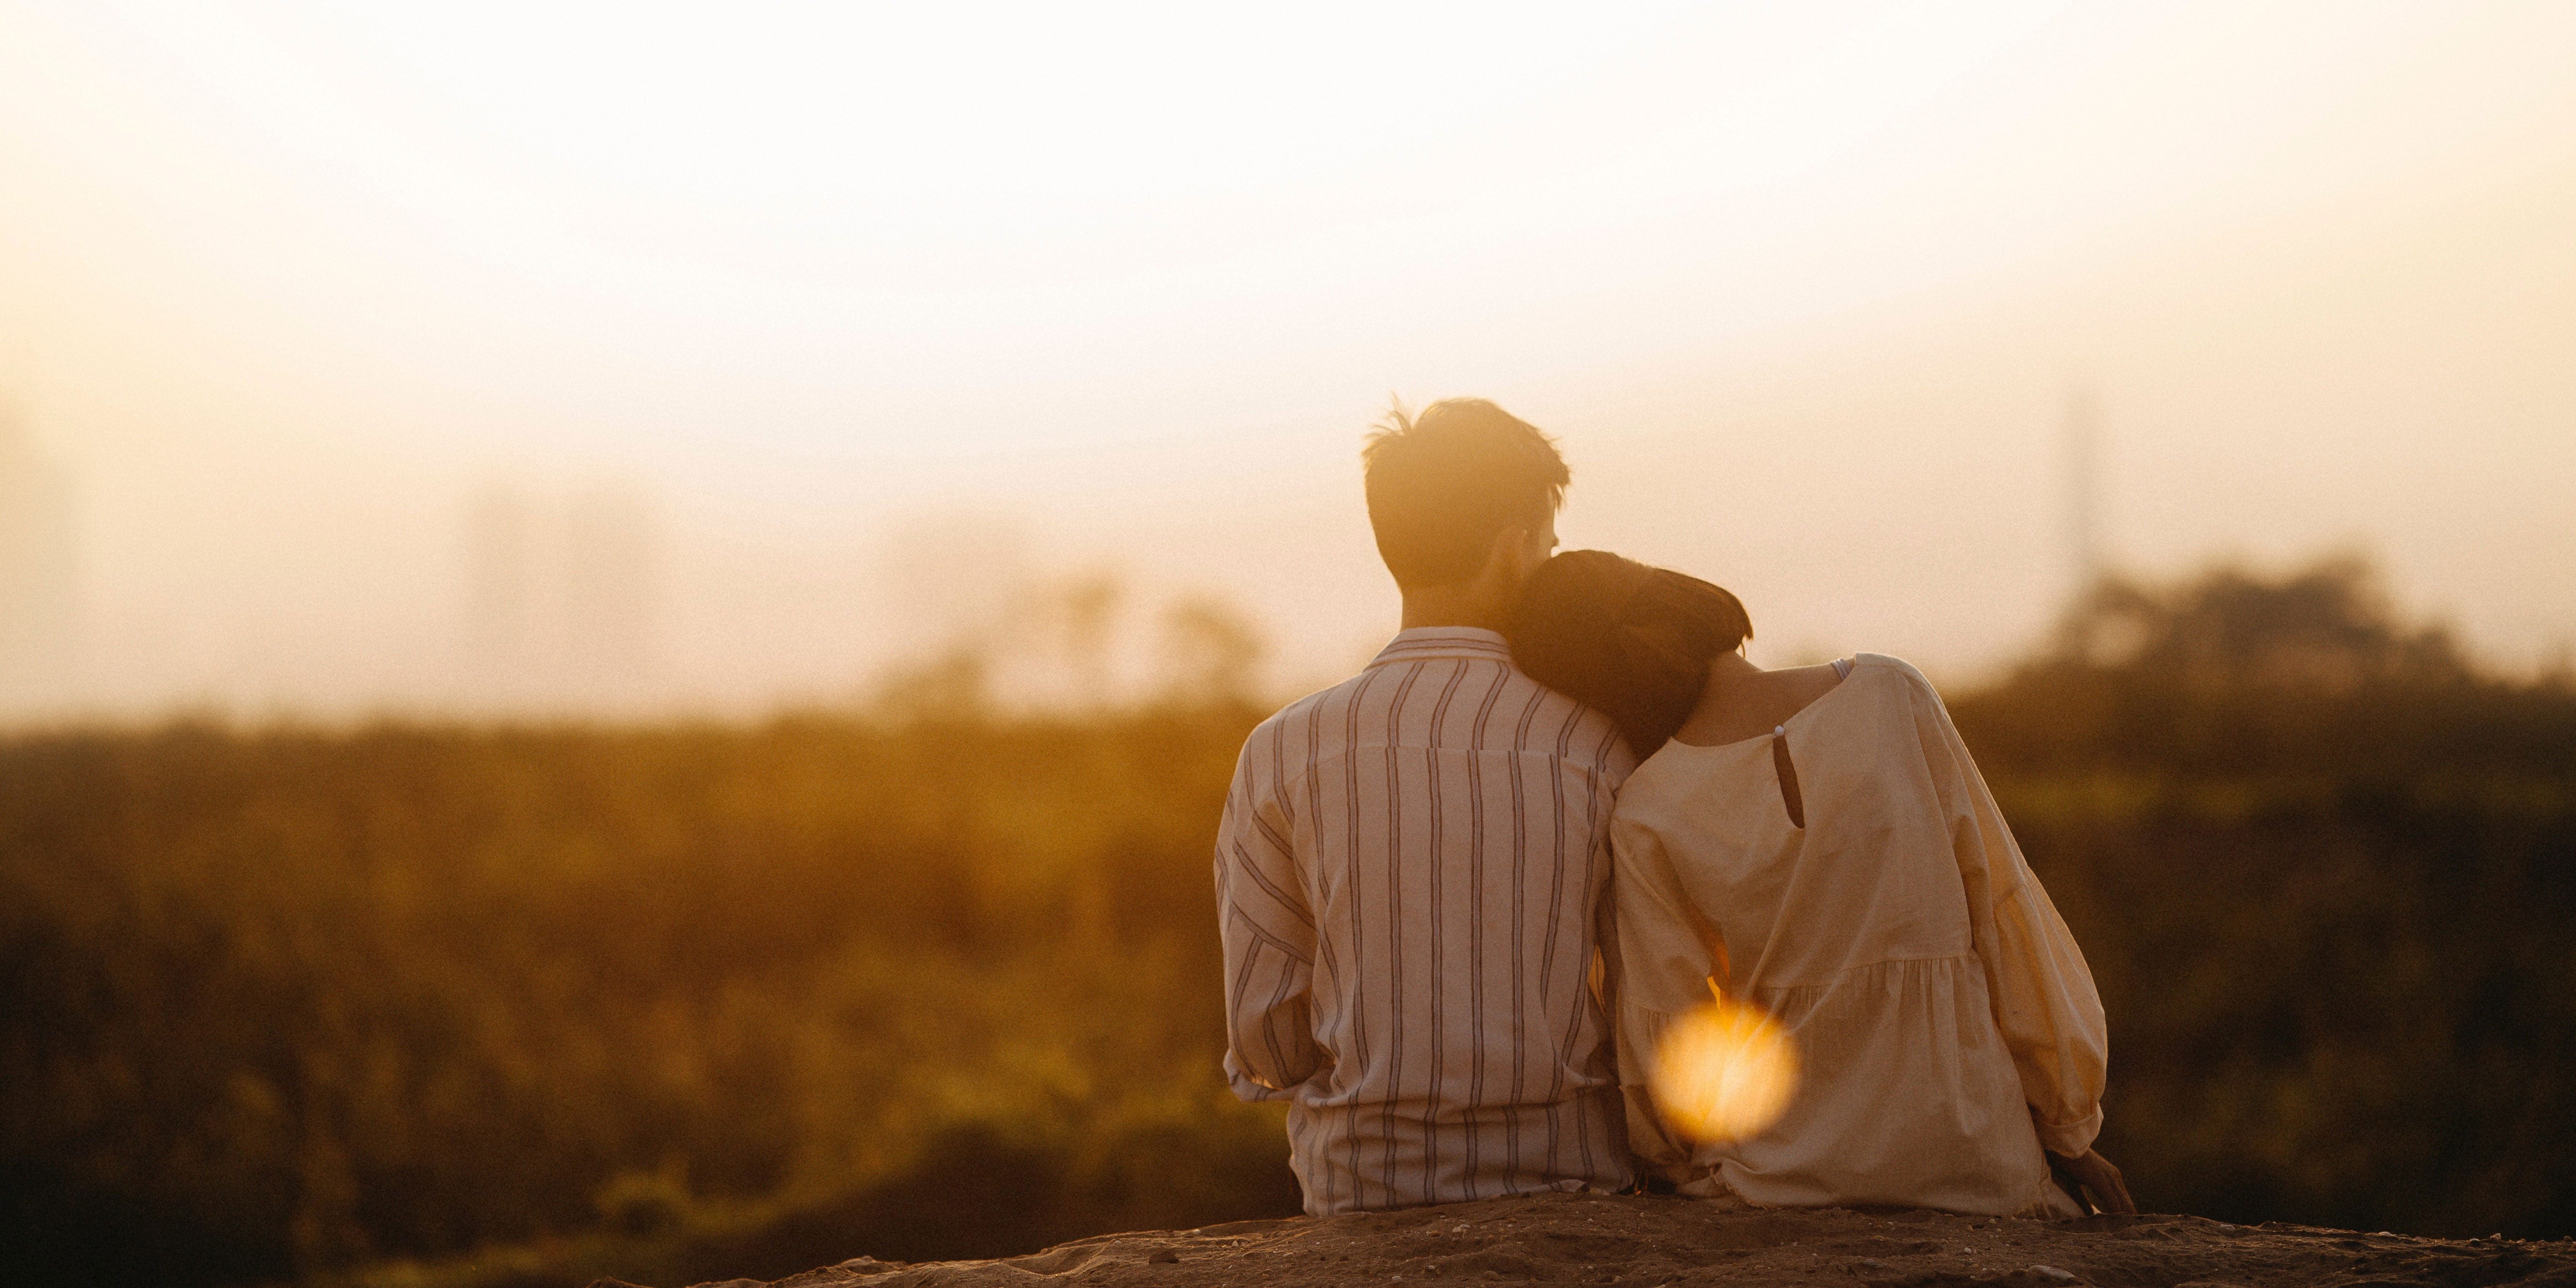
<point x="1463" y="892"/>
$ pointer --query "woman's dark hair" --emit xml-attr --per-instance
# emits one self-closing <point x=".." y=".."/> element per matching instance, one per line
<point x="1629" y="641"/>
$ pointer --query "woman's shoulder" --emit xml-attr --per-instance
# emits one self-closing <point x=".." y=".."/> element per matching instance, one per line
<point x="1892" y="692"/>
<point x="1895" y="669"/>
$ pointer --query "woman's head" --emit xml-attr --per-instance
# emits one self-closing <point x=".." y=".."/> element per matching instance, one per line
<point x="1629" y="641"/>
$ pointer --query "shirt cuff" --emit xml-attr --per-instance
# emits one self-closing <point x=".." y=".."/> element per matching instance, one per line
<point x="1247" y="1089"/>
<point x="2068" y="1140"/>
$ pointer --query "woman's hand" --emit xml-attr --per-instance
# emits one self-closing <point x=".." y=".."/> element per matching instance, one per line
<point x="2095" y="1173"/>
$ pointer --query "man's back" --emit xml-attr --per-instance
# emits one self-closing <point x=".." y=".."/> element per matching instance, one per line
<point x="1410" y="876"/>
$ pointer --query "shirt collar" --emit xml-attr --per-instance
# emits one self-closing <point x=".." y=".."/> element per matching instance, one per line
<point x="1423" y="643"/>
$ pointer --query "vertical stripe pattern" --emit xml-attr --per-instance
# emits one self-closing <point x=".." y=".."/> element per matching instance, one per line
<point x="1408" y="875"/>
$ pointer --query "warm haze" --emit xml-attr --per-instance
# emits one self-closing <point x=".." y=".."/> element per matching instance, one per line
<point x="711" y="359"/>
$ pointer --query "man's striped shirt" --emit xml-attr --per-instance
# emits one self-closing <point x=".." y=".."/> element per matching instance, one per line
<point x="1410" y="878"/>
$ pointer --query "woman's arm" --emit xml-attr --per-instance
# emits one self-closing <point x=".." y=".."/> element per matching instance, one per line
<point x="2091" y="1173"/>
<point x="1664" y="965"/>
<point x="2041" y="991"/>
<point x="2045" y="1004"/>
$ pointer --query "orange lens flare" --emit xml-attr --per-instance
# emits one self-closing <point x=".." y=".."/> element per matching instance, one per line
<point x="1724" y="1071"/>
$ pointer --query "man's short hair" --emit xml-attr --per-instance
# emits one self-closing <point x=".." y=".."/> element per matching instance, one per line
<point x="1442" y="484"/>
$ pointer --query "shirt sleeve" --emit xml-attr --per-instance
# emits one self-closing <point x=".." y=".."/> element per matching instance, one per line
<point x="1663" y="959"/>
<point x="1268" y="934"/>
<point x="2042" y="992"/>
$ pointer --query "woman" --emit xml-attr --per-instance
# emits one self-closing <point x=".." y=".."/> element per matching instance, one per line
<point x="1823" y="831"/>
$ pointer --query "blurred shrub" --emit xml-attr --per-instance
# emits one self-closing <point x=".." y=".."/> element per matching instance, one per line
<point x="291" y="1001"/>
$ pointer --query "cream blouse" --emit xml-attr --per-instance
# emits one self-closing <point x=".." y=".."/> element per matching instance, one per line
<point x="1945" y="1019"/>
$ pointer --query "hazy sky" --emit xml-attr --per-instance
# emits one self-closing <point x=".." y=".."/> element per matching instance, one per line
<point x="832" y="290"/>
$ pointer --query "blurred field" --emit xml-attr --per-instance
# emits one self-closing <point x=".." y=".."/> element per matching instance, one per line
<point x="446" y="1005"/>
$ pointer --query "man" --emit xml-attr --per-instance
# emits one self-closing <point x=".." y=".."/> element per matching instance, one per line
<point x="1411" y="865"/>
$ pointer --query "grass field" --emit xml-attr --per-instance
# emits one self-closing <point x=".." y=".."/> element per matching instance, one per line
<point x="418" y="1005"/>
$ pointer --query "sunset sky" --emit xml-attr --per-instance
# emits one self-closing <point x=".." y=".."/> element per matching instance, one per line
<point x="862" y="315"/>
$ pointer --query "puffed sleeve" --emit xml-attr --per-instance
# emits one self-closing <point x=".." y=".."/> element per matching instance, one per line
<point x="1666" y="952"/>
<point x="2042" y="992"/>
<point x="1268" y="935"/>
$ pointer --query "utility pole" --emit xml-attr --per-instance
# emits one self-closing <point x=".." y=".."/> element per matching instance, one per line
<point x="2083" y="447"/>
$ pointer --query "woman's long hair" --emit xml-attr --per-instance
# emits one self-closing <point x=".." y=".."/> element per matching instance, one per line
<point x="1627" y="640"/>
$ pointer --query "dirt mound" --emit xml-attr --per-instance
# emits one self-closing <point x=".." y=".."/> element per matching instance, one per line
<point x="1652" y="1242"/>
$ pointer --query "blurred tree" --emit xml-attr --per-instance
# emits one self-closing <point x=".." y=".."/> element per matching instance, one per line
<point x="2313" y="854"/>
<point x="1084" y="611"/>
<point x="1212" y="653"/>
<point x="2311" y="671"/>
<point x="2328" y="626"/>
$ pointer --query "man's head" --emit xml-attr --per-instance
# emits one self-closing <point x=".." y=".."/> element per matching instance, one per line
<point x="1463" y="497"/>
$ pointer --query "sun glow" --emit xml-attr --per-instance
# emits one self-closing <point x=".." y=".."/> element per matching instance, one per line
<point x="1724" y="1072"/>
<point x="287" y="287"/>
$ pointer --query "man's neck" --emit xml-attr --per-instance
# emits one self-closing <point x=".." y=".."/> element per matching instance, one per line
<point x="1466" y="605"/>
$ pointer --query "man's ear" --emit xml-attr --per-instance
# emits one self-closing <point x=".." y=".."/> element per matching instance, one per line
<point x="1509" y="555"/>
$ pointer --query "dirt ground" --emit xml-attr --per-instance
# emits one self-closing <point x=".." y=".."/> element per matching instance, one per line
<point x="1652" y="1242"/>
